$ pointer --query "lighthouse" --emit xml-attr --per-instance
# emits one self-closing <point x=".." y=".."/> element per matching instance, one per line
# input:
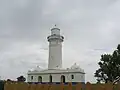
<point x="55" y="72"/>
<point x="55" y="49"/>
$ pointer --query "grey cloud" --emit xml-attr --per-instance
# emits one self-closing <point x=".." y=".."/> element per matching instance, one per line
<point x="86" y="24"/>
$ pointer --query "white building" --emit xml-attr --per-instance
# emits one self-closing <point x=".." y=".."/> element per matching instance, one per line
<point x="55" y="72"/>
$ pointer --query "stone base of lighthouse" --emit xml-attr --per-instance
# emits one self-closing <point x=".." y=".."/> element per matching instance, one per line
<point x="56" y="76"/>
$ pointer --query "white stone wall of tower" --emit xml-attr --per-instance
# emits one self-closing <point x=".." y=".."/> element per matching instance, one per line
<point x="55" y="49"/>
<point x="55" y="55"/>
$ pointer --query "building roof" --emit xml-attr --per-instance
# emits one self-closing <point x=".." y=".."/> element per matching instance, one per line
<point x="73" y="69"/>
<point x="56" y="71"/>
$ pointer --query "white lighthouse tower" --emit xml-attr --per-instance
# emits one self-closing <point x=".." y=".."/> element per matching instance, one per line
<point x="55" y="73"/>
<point x="55" y="49"/>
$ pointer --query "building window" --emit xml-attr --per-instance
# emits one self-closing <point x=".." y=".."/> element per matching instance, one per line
<point x="63" y="79"/>
<point x="31" y="77"/>
<point x="50" y="78"/>
<point x="72" y="76"/>
<point x="39" y="79"/>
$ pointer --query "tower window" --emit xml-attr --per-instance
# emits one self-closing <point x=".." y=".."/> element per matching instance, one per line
<point x="31" y="77"/>
<point x="72" y="76"/>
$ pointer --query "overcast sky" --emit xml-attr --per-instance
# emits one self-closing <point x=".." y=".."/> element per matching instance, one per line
<point x="90" y="28"/>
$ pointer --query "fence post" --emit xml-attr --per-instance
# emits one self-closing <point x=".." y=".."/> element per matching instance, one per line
<point x="118" y="86"/>
<point x="109" y="86"/>
<point x="62" y="86"/>
<point x="51" y="86"/>
<point x="14" y="86"/>
<point x="88" y="86"/>
<point x="32" y="86"/>
<point x="8" y="86"/>
<point x="47" y="86"/>
<point x="42" y="87"/>
<point x="39" y="86"/>
<point x="5" y="86"/>
<point x="100" y="86"/>
<point x="69" y="86"/>
<point x="78" y="86"/>
<point x="26" y="85"/>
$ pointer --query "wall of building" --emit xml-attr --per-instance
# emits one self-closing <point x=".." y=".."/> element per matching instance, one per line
<point x="78" y="77"/>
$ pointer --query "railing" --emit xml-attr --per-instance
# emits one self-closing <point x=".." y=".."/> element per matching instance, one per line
<point x="69" y="86"/>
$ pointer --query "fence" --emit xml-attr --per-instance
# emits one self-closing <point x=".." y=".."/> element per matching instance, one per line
<point x="69" y="86"/>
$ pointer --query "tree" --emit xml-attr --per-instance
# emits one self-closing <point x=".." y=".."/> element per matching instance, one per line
<point x="9" y="80"/>
<point x="21" y="79"/>
<point x="109" y="67"/>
